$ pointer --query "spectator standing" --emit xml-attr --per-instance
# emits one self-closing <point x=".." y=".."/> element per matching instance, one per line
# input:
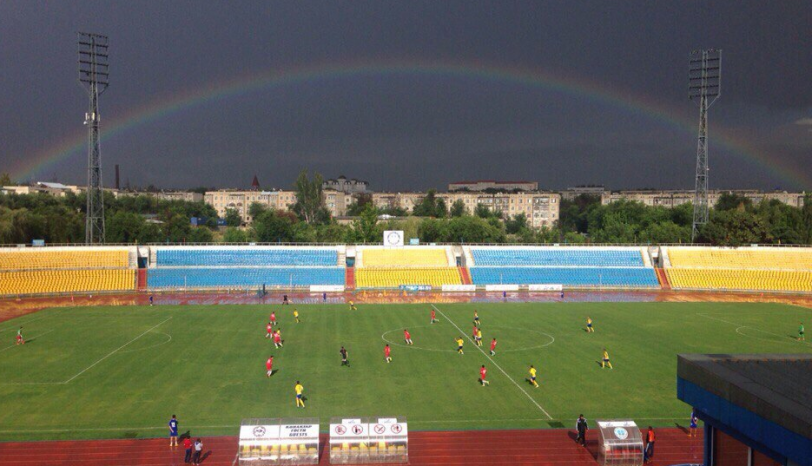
<point x="581" y="426"/>
<point x="649" y="453"/>
<point x="187" y="444"/>
<point x="198" y="452"/>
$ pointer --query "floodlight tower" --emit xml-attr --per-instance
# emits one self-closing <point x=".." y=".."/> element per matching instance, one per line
<point x="94" y="76"/>
<point x="704" y="87"/>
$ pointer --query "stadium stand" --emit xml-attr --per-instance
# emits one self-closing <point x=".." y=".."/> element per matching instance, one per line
<point x="246" y="257"/>
<point x="379" y="267"/>
<point x="631" y="257"/>
<point x="241" y="277"/>
<point x="569" y="276"/>
<point x="394" y="277"/>
<point x="244" y="267"/>
<point x="28" y="259"/>
<point x="65" y="270"/>
<point x="66" y="281"/>
<point x="740" y="269"/>
<point x="571" y="266"/>
<point x="422" y="257"/>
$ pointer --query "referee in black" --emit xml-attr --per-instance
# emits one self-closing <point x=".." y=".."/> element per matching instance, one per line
<point x="344" y="360"/>
<point x="581" y="427"/>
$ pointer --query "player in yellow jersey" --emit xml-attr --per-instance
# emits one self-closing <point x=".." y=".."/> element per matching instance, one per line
<point x="296" y="315"/>
<point x="352" y="306"/>
<point x="476" y="319"/>
<point x="299" y="389"/>
<point x="479" y="337"/>
<point x="605" y="362"/>
<point x="460" y="342"/>
<point x="533" y="376"/>
<point x="589" y="328"/>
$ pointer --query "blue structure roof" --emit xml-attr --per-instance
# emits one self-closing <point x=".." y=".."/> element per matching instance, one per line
<point x="763" y="400"/>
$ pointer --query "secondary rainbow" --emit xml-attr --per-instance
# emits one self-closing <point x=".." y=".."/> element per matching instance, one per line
<point x="576" y="86"/>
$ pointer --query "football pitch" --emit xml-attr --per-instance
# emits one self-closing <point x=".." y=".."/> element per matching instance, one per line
<point x="121" y="372"/>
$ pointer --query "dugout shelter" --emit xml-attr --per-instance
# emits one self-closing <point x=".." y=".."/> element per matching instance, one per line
<point x="757" y="408"/>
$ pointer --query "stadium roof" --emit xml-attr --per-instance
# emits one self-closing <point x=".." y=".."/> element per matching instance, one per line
<point x="777" y="387"/>
<point x="491" y="181"/>
<point x="47" y="184"/>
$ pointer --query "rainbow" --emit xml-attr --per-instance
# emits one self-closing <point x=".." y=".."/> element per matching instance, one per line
<point x="197" y="97"/>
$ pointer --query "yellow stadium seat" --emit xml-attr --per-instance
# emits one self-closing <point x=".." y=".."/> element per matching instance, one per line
<point x="66" y="281"/>
<point x="394" y="277"/>
<point x="405" y="257"/>
<point x="741" y="258"/>
<point x="45" y="258"/>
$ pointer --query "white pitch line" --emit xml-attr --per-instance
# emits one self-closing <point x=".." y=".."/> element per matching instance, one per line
<point x="228" y="426"/>
<point x="740" y="326"/>
<point x="35" y="336"/>
<point x="114" y="352"/>
<point x="494" y="363"/>
<point x="24" y="323"/>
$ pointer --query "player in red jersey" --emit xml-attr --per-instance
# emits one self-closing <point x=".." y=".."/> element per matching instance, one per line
<point x="269" y="329"/>
<point x="473" y="332"/>
<point x="408" y="337"/>
<point x="493" y="347"/>
<point x="273" y="318"/>
<point x="277" y="339"/>
<point x="386" y="352"/>
<point x="483" y="374"/>
<point x="269" y="366"/>
<point x="433" y="316"/>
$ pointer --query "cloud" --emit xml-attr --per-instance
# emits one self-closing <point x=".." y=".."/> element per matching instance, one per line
<point x="805" y="122"/>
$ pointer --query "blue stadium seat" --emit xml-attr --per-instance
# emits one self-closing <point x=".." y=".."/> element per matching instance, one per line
<point x="637" y="277"/>
<point x="181" y="257"/>
<point x="201" y="277"/>
<point x="557" y="257"/>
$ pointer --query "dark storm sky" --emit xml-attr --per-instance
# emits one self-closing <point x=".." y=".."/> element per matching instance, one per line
<point x="414" y="131"/>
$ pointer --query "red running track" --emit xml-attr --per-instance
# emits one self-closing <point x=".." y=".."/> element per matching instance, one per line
<point x="465" y="448"/>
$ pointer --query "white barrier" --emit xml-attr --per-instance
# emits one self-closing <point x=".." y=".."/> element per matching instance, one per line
<point x="459" y="287"/>
<point x="545" y="287"/>
<point x="326" y="288"/>
<point x="279" y="441"/>
<point x="501" y="287"/>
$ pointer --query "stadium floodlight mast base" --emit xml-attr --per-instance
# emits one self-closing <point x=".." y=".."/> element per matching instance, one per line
<point x="704" y="87"/>
<point x="94" y="77"/>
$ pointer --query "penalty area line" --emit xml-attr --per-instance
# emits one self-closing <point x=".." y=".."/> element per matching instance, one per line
<point x="114" y="351"/>
<point x="494" y="363"/>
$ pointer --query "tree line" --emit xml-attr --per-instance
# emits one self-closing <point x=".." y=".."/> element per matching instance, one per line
<point x="734" y="221"/>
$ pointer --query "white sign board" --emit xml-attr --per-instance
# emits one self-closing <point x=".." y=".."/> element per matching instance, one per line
<point x="294" y="431"/>
<point x="389" y="427"/>
<point x="349" y="429"/>
<point x="459" y="287"/>
<point x="501" y="287"/>
<point x="259" y="435"/>
<point x="393" y="238"/>
<point x="545" y="287"/>
<point x="326" y="288"/>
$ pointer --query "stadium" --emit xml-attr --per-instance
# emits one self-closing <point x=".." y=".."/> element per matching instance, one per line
<point x="118" y="338"/>
<point x="533" y="267"/>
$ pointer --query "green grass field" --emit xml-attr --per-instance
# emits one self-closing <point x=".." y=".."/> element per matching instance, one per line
<point x="122" y="371"/>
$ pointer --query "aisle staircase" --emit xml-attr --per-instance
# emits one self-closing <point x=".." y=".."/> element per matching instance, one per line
<point x="349" y="278"/>
<point x="466" y="277"/>
<point x="663" y="278"/>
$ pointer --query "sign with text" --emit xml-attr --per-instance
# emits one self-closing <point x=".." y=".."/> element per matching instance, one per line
<point x="545" y="287"/>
